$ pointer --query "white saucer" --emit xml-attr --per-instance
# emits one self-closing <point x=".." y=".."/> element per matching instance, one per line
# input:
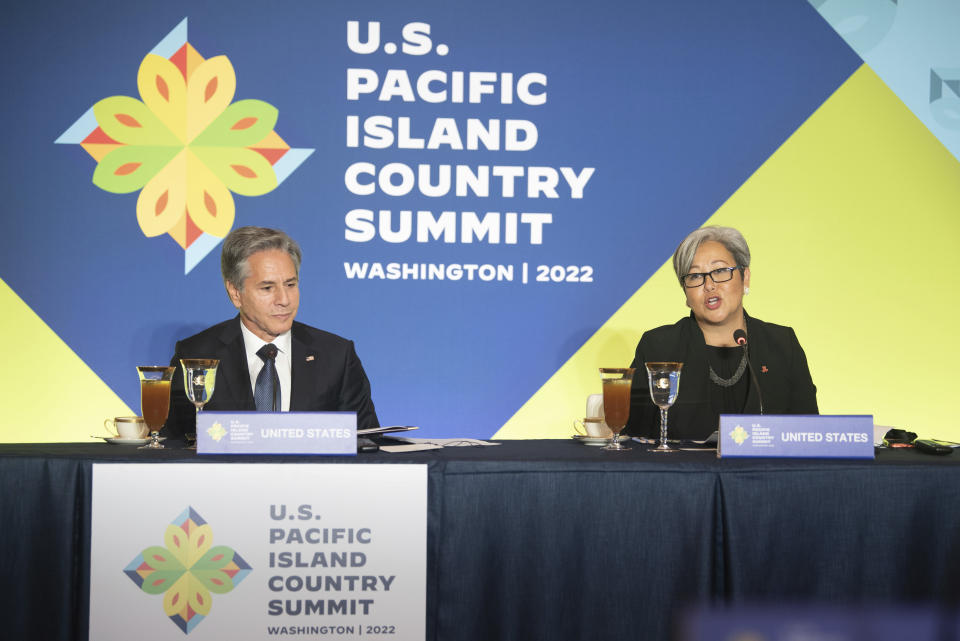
<point x="116" y="440"/>
<point x="591" y="440"/>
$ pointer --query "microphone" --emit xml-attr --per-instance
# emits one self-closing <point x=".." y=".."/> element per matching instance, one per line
<point x="740" y="338"/>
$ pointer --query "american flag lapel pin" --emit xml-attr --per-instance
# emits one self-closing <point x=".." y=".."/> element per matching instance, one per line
<point x="310" y="358"/>
<point x="763" y="368"/>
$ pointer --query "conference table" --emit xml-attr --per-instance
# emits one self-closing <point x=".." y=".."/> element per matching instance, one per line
<point x="551" y="539"/>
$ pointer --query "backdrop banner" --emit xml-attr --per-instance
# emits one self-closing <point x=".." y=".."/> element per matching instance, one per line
<point x="479" y="189"/>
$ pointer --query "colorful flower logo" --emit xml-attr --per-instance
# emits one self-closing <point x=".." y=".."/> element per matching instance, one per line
<point x="187" y="569"/>
<point x="185" y="145"/>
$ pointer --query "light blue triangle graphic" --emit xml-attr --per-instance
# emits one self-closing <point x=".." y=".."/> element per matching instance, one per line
<point x="173" y="41"/>
<point x="198" y="250"/>
<point x="79" y="130"/>
<point x="289" y="163"/>
<point x="915" y="49"/>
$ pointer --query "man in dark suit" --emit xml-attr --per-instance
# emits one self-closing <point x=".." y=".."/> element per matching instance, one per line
<point x="310" y="369"/>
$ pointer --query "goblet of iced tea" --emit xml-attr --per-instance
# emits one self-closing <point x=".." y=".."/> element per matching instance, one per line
<point x="155" y="400"/>
<point x="617" y="382"/>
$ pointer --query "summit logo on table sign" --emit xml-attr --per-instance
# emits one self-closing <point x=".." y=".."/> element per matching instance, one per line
<point x="187" y="570"/>
<point x="185" y="145"/>
<point x="739" y="435"/>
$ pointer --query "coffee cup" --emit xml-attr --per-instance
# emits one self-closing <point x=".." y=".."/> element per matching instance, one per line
<point x="595" y="405"/>
<point x="131" y="427"/>
<point x="592" y="426"/>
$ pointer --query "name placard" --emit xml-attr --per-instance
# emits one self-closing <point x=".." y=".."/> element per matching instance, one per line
<point x="802" y="436"/>
<point x="277" y="433"/>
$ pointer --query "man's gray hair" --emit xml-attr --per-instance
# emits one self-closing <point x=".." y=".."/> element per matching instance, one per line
<point x="729" y="237"/>
<point x="244" y="242"/>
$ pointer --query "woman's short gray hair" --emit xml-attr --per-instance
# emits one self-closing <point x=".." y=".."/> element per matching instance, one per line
<point x="729" y="237"/>
<point x="244" y="242"/>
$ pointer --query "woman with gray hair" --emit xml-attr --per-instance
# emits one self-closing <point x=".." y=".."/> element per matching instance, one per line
<point x="713" y="269"/>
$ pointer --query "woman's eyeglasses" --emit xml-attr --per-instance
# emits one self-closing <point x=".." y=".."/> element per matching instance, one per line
<point x="720" y="275"/>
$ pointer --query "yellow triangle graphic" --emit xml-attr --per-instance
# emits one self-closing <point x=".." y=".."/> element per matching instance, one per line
<point x="47" y="393"/>
<point x="853" y="225"/>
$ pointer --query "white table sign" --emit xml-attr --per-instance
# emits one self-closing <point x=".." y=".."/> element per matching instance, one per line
<point x="257" y="551"/>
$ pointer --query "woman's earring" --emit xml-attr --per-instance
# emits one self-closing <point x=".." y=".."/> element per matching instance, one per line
<point x="746" y="290"/>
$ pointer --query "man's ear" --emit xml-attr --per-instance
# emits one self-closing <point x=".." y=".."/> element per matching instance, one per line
<point x="234" y="294"/>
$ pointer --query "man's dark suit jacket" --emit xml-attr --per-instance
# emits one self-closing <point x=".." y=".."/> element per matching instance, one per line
<point x="775" y="355"/>
<point x="326" y="375"/>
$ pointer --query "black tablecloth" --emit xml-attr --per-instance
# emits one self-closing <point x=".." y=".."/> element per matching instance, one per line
<point x="555" y="540"/>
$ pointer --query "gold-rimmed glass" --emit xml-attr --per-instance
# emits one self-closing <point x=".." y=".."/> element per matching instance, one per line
<point x="155" y="400"/>
<point x="617" y="382"/>
<point x="199" y="381"/>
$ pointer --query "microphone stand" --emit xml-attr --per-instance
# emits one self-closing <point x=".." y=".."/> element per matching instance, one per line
<point x="740" y="337"/>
